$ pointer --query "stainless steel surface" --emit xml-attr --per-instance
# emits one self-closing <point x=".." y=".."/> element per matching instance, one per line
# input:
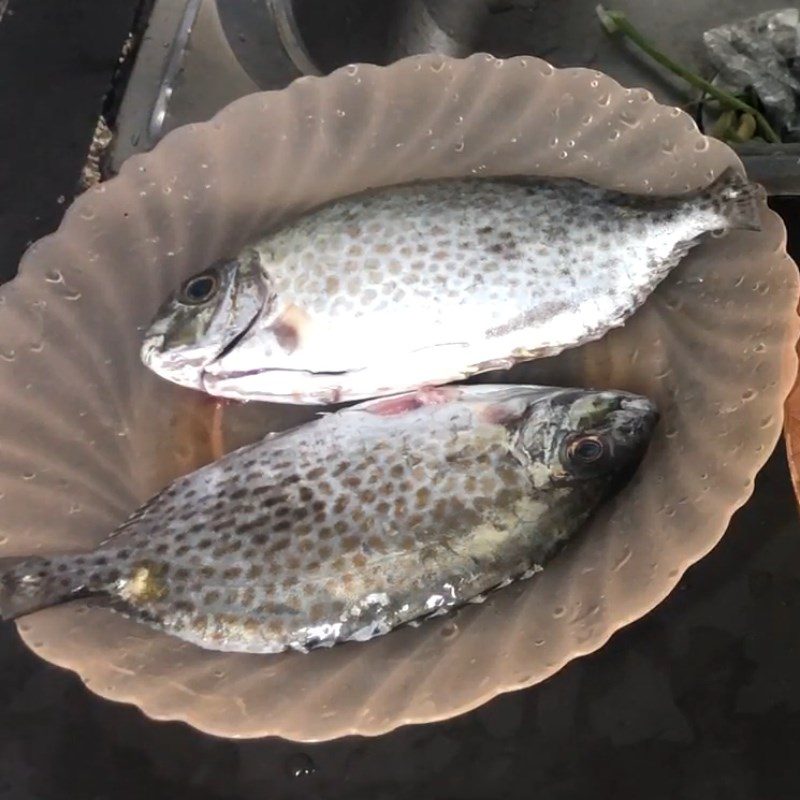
<point x="199" y="55"/>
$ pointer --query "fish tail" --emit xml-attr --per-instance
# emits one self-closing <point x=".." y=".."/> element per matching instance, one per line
<point x="737" y="200"/>
<point x="30" y="585"/>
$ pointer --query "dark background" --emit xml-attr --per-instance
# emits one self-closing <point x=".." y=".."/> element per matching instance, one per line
<point x="700" y="699"/>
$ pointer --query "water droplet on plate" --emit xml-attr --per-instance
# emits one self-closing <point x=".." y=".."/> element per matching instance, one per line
<point x="8" y="355"/>
<point x="86" y="212"/>
<point x="54" y="276"/>
<point x="613" y="135"/>
<point x="604" y="99"/>
<point x="300" y="765"/>
<point x="449" y="630"/>
<point x="459" y="147"/>
<point x="28" y="476"/>
<point x="559" y="611"/>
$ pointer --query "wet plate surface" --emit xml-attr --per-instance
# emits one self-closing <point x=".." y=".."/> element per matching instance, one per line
<point x="88" y="433"/>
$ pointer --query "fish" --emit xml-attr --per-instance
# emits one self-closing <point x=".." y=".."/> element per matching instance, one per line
<point x="366" y="518"/>
<point x="428" y="283"/>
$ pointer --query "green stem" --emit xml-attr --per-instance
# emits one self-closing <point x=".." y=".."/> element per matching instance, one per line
<point x="617" y="21"/>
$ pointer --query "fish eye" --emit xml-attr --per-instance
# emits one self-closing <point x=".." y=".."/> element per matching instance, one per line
<point x="586" y="449"/>
<point x="199" y="289"/>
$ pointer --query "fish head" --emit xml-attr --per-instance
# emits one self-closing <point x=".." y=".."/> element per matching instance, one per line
<point x="592" y="440"/>
<point x="205" y="318"/>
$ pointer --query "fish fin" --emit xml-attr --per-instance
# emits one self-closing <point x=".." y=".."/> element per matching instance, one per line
<point x="737" y="199"/>
<point x="32" y="584"/>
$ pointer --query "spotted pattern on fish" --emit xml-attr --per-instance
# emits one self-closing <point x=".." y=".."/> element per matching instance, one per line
<point x="426" y="283"/>
<point x="354" y="523"/>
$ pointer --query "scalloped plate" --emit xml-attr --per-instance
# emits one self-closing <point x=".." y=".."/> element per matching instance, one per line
<point x="88" y="433"/>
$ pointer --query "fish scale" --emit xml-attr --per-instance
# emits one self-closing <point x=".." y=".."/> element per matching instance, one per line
<point x="356" y="522"/>
<point x="426" y="283"/>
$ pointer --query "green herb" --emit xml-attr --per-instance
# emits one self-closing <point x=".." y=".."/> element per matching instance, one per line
<point x="617" y="22"/>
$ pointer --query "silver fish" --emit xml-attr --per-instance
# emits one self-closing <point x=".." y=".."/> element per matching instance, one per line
<point x="359" y="521"/>
<point x="427" y="283"/>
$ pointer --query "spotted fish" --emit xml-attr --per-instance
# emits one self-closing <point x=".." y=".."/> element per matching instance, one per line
<point x="358" y="521"/>
<point x="427" y="283"/>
